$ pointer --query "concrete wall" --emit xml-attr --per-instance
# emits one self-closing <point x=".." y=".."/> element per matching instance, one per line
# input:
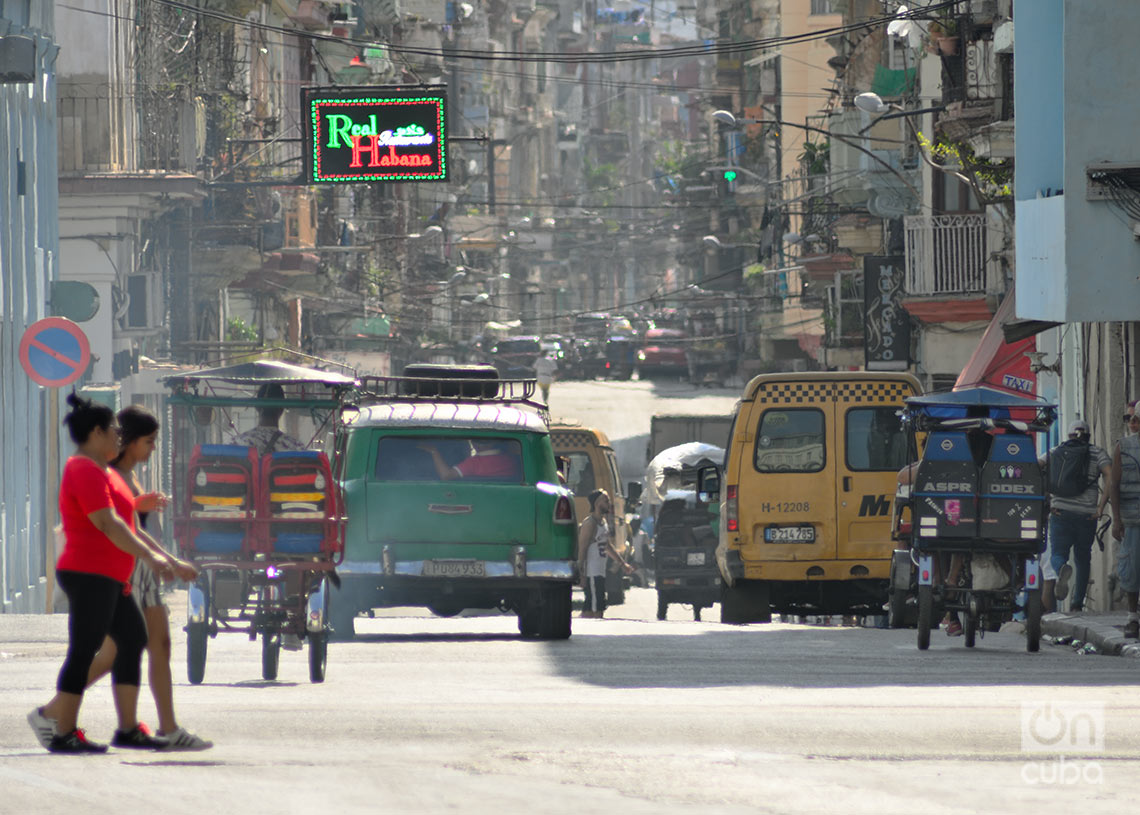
<point x="1077" y="259"/>
<point x="29" y="252"/>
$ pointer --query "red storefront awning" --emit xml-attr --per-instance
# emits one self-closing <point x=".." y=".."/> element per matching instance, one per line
<point x="997" y="362"/>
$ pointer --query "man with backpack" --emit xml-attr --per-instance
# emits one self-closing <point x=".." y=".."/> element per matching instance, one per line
<point x="1074" y="466"/>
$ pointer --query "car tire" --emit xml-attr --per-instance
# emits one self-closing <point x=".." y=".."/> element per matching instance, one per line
<point x="197" y="637"/>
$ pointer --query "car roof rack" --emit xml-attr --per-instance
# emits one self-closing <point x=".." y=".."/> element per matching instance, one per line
<point x="387" y="389"/>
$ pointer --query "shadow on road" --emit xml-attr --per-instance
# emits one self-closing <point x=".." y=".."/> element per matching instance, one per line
<point x="819" y="658"/>
<point x="441" y="637"/>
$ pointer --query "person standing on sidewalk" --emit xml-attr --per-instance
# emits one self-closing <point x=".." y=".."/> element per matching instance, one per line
<point x="137" y="438"/>
<point x="1126" y="521"/>
<point x="1075" y="469"/>
<point x="94" y="571"/>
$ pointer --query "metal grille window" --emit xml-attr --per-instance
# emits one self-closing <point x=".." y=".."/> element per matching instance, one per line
<point x="790" y="440"/>
<point x="823" y="6"/>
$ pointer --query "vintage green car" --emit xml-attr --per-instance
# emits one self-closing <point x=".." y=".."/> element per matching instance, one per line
<point x="453" y="502"/>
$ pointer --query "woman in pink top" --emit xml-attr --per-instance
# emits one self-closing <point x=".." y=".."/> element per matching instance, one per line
<point x="94" y="570"/>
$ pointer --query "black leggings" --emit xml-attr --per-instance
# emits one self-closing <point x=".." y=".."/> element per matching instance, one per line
<point x="99" y="608"/>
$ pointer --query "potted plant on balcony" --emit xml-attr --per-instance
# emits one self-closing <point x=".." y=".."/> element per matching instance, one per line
<point x="944" y="37"/>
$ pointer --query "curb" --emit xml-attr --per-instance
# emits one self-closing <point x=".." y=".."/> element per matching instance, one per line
<point x="1108" y="639"/>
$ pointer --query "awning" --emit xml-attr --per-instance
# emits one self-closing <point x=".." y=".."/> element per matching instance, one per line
<point x="998" y="363"/>
<point x="1021" y="329"/>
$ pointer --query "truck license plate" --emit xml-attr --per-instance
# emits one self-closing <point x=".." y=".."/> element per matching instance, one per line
<point x="454" y="568"/>
<point x="695" y="559"/>
<point x="789" y="534"/>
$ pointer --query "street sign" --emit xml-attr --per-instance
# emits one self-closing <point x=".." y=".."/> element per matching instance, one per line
<point x="380" y="133"/>
<point x="54" y="352"/>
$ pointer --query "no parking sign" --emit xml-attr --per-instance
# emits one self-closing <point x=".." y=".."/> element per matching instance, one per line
<point x="54" y="352"/>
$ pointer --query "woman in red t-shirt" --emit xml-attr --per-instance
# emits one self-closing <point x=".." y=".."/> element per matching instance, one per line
<point x="94" y="570"/>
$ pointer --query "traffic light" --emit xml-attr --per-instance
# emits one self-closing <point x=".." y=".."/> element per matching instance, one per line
<point x="729" y="178"/>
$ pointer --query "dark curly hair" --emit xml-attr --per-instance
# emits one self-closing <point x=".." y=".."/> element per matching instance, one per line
<point x="594" y="496"/>
<point x="86" y="415"/>
<point x="135" y="422"/>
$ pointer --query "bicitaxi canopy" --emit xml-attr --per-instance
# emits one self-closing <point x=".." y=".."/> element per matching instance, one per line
<point x="673" y="468"/>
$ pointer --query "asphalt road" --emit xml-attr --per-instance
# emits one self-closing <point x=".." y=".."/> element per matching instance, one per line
<point x="630" y="715"/>
<point x="623" y="409"/>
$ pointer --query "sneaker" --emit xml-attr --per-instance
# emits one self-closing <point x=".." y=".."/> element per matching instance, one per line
<point x="290" y="642"/>
<point x="139" y="738"/>
<point x="74" y="742"/>
<point x="1061" y="591"/>
<point x="953" y="629"/>
<point x="42" y="726"/>
<point x="1132" y="630"/>
<point x="181" y="739"/>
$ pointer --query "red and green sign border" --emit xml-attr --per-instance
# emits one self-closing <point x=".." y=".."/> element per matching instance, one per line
<point x="314" y="99"/>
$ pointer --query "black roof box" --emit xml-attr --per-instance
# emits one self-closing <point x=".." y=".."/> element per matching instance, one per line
<point x="429" y="379"/>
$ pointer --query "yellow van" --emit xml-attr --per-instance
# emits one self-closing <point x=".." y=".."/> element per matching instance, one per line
<point x="806" y="494"/>
<point x="591" y="464"/>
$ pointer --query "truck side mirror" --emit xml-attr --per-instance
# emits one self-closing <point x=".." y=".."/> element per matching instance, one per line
<point x="633" y="492"/>
<point x="708" y="485"/>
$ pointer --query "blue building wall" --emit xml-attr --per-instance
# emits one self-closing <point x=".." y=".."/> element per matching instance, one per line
<point x="29" y="251"/>
<point x="1077" y="260"/>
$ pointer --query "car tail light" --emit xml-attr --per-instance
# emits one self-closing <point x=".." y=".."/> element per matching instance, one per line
<point x="563" y="511"/>
<point x="730" y="509"/>
<point x="607" y="366"/>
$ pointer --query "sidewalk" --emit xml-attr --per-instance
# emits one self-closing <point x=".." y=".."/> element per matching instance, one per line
<point x="1103" y="630"/>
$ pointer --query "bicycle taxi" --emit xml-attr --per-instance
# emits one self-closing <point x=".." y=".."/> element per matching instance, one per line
<point x="266" y="531"/>
<point x="978" y="512"/>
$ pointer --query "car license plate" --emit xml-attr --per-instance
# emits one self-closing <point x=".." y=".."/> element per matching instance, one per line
<point x="695" y="559"/>
<point x="789" y="534"/>
<point x="454" y="568"/>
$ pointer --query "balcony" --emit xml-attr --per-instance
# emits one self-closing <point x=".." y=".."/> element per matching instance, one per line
<point x="949" y="275"/>
<point x="114" y="132"/>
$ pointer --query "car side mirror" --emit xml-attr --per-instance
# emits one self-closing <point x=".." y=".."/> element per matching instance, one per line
<point x="633" y="492"/>
<point x="708" y="485"/>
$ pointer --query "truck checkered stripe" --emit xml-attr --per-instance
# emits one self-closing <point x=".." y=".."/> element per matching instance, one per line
<point x="892" y="393"/>
<point x="569" y="439"/>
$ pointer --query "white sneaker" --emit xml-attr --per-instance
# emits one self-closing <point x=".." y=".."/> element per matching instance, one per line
<point x="181" y="739"/>
<point x="42" y="726"/>
<point x="291" y="642"/>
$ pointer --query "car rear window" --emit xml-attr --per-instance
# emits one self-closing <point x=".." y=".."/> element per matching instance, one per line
<point x="482" y="459"/>
<point x="875" y="440"/>
<point x="790" y="440"/>
<point x="581" y="476"/>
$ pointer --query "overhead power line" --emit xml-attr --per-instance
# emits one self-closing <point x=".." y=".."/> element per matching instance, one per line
<point x="679" y="52"/>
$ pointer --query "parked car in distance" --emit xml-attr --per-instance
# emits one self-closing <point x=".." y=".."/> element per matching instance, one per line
<point x="663" y="352"/>
<point x="514" y="357"/>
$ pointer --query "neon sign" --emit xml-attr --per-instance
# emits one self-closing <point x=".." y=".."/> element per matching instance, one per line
<point x="388" y="133"/>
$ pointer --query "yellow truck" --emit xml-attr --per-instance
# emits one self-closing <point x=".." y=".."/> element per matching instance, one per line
<point x="592" y="465"/>
<point x="805" y="499"/>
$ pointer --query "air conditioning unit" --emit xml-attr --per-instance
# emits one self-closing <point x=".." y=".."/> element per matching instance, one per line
<point x="145" y="306"/>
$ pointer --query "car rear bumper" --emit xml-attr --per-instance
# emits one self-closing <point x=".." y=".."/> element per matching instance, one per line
<point x="517" y="568"/>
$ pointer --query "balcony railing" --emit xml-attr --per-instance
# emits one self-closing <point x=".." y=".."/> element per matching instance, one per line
<point x="103" y="130"/>
<point x="948" y="255"/>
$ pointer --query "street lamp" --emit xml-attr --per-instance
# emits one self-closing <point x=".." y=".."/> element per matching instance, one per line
<point x="871" y="102"/>
<point x="713" y="242"/>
